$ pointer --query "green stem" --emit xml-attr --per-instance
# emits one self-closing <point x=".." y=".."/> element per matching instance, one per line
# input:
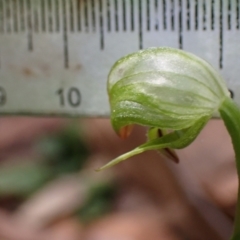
<point x="231" y="116"/>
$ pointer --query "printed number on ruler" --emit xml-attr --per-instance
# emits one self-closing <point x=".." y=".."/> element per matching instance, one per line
<point x="75" y="43"/>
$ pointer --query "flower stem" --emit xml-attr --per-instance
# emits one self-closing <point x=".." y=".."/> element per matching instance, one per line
<point x="230" y="114"/>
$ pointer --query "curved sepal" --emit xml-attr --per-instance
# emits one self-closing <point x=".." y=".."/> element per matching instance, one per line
<point x="163" y="87"/>
<point x="174" y="140"/>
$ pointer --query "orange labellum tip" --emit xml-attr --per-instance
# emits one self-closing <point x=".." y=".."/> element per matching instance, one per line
<point x="125" y="131"/>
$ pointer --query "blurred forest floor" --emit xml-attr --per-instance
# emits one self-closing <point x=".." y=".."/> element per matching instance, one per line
<point x="49" y="188"/>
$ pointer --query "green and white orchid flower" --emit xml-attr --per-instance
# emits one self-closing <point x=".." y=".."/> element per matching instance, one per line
<point x="172" y="92"/>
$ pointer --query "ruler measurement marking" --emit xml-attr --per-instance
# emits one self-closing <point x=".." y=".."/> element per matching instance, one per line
<point x="204" y="15"/>
<point x="140" y="33"/>
<point x="71" y="11"/>
<point x="132" y="14"/>
<point x="221" y="34"/>
<point x="36" y="20"/>
<point x="148" y="14"/>
<point x="65" y="34"/>
<point x="172" y="15"/>
<point x="93" y="15"/>
<point x="108" y="16"/>
<point x="5" y="8"/>
<point x="30" y="33"/>
<point x="30" y="18"/>
<point x="57" y="16"/>
<point x="196" y="14"/>
<point x="50" y="20"/>
<point x="2" y="18"/>
<point x="11" y="15"/>
<point x="188" y="15"/>
<point x="116" y="15"/>
<point x="79" y="20"/>
<point x="86" y="15"/>
<point x="43" y="16"/>
<point x="229" y="14"/>
<point x="164" y="9"/>
<point x="237" y="14"/>
<point x="156" y="15"/>
<point x="101" y="25"/>
<point x="25" y="15"/>
<point x="13" y="19"/>
<point x="180" y="29"/>
<point x="22" y="15"/>
<point x="124" y="15"/>
<point x="15" y="15"/>
<point x="8" y="16"/>
<point x="1" y="24"/>
<point x="212" y="14"/>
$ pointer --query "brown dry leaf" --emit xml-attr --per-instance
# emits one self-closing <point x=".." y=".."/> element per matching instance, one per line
<point x="67" y="229"/>
<point x="58" y="199"/>
<point x="222" y="187"/>
<point x="10" y="230"/>
<point x="18" y="134"/>
<point x="130" y="226"/>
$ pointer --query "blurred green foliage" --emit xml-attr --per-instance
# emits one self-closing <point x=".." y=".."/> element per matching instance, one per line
<point x="23" y="179"/>
<point x="61" y="153"/>
<point x="64" y="152"/>
<point x="99" y="201"/>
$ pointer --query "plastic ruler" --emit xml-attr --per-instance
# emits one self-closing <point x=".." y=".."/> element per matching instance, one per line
<point x="55" y="55"/>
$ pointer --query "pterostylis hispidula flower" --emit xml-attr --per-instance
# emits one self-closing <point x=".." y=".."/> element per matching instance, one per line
<point x="175" y="94"/>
